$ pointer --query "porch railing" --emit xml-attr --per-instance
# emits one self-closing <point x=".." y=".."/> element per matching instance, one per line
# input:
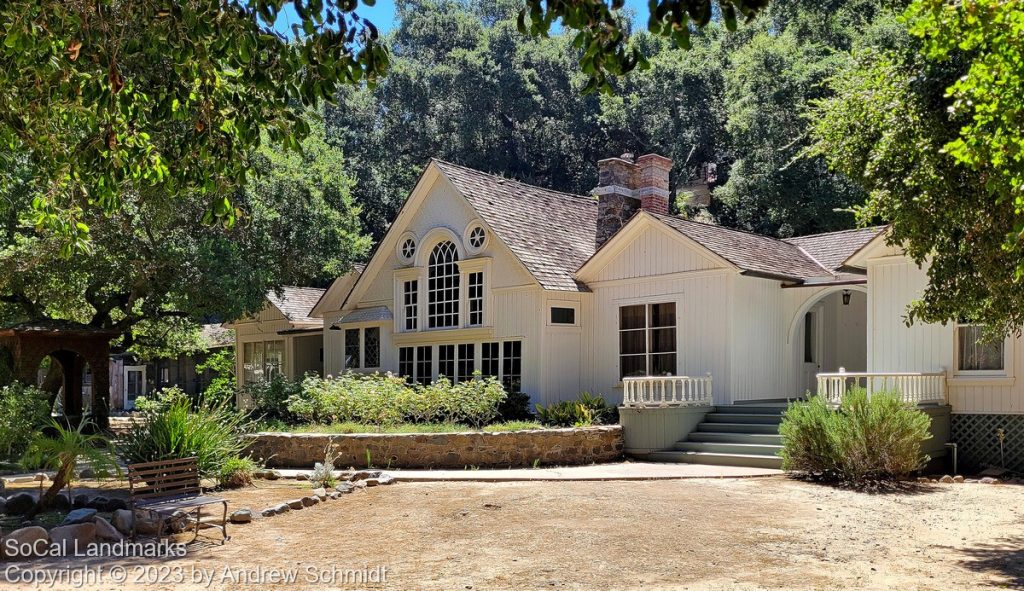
<point x="663" y="391"/>
<point x="914" y="387"/>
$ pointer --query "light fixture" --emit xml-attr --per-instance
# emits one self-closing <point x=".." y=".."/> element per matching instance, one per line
<point x="846" y="297"/>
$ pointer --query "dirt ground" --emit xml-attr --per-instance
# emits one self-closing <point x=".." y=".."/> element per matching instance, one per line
<point x="759" y="533"/>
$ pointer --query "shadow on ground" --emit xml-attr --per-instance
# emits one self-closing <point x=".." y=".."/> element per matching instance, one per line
<point x="1003" y="557"/>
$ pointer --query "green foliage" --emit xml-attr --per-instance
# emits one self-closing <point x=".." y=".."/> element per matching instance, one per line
<point x="172" y="428"/>
<point x="866" y="438"/>
<point x="63" y="450"/>
<point x="515" y="407"/>
<point x="270" y="399"/>
<point x="223" y="384"/>
<point x="112" y="98"/>
<point x="237" y="473"/>
<point x="386" y="400"/>
<point x="585" y="411"/>
<point x="24" y="410"/>
<point x="323" y="472"/>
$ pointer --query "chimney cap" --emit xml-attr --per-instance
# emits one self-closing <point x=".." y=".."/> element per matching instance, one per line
<point x="628" y="157"/>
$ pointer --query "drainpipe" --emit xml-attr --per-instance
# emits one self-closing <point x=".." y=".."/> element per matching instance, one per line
<point x="953" y="445"/>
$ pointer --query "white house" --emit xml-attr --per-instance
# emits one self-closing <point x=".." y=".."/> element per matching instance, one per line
<point x="555" y="294"/>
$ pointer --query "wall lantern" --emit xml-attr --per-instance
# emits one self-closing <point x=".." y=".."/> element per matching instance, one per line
<point x="846" y="297"/>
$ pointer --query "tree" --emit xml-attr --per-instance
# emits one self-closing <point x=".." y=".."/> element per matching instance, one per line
<point x="889" y="125"/>
<point x="154" y="269"/>
<point x="63" y="451"/>
<point x="108" y="101"/>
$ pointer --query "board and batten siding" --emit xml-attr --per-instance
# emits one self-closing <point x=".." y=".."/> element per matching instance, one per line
<point x="895" y="281"/>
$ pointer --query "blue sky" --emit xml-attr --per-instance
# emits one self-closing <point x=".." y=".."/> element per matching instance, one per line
<point x="382" y="14"/>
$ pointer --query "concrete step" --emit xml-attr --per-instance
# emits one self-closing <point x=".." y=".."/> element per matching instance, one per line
<point x="753" y="449"/>
<point x="744" y="428"/>
<point x="725" y="437"/>
<point x="735" y="417"/>
<point x="716" y="459"/>
<point x="748" y="409"/>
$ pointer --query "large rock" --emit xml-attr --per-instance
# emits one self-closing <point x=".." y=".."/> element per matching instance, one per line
<point x="244" y="515"/>
<point x="320" y="493"/>
<point x="344" y="488"/>
<point x="114" y="504"/>
<point x="25" y="542"/>
<point x="61" y="503"/>
<point x="73" y="539"/>
<point x="106" y="532"/>
<point x="269" y="511"/>
<point x="98" y="503"/>
<point x="147" y="523"/>
<point x="20" y="504"/>
<point x="310" y="501"/>
<point x="80" y="501"/>
<point x="123" y="521"/>
<point x="80" y="516"/>
<point x="295" y="504"/>
<point x="365" y="474"/>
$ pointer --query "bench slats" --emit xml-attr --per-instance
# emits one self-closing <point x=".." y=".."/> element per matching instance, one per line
<point x="163" y="463"/>
<point x="162" y="471"/>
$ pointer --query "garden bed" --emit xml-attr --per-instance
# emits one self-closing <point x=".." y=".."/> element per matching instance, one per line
<point x="468" y="449"/>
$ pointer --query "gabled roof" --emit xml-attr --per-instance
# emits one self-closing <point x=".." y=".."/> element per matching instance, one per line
<point x="334" y="295"/>
<point x="296" y="303"/>
<point x="551" y="233"/>
<point x="831" y="249"/>
<point x="749" y="252"/>
<point x="216" y="335"/>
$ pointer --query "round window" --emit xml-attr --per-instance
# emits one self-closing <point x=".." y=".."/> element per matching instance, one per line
<point x="408" y="249"/>
<point x="477" y="237"/>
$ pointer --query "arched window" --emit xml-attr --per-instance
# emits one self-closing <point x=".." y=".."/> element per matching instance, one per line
<point x="443" y="286"/>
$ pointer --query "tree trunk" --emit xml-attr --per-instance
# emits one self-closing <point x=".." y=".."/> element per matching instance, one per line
<point x="60" y="481"/>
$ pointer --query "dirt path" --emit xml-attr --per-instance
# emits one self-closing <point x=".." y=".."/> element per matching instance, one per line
<point x="771" y="533"/>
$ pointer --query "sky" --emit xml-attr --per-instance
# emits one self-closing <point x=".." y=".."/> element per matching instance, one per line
<point x="382" y="14"/>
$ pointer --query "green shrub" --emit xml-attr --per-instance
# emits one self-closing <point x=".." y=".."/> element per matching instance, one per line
<point x="270" y="399"/>
<point x="237" y="472"/>
<point x="515" y="407"/>
<point x="24" y="411"/>
<point x="386" y="400"/>
<point x="876" y="438"/>
<point x="171" y="428"/>
<point x="222" y="385"/>
<point x="586" y="410"/>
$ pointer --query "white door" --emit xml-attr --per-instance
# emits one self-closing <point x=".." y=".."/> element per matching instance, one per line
<point x="812" y="349"/>
<point x="134" y="384"/>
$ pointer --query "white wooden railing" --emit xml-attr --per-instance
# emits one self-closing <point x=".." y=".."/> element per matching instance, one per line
<point x="661" y="391"/>
<point x="914" y="387"/>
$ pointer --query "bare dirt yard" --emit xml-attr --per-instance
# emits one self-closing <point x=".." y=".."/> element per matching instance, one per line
<point x="758" y="533"/>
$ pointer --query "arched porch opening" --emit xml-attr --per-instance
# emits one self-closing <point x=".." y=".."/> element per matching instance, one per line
<point x="829" y="334"/>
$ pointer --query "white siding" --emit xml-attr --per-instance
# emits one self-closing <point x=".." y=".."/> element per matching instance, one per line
<point x="655" y="252"/>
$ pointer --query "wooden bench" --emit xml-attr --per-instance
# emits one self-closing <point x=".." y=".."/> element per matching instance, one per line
<point x="166" y="487"/>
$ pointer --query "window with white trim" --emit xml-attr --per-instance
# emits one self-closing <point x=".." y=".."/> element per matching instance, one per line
<point x="262" y="361"/>
<point x="407" y="363"/>
<point x="424" y="364"/>
<point x="476" y="298"/>
<point x="490" y="359"/>
<point x="976" y="354"/>
<point x="443" y="286"/>
<point x="563" y="315"/>
<point x="352" y="348"/>
<point x="371" y="346"/>
<point x="512" y="366"/>
<point x="467" y="360"/>
<point x="446" y="362"/>
<point x="647" y="340"/>
<point x="410" y="304"/>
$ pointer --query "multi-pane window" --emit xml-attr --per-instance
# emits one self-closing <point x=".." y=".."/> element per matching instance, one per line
<point x="446" y="361"/>
<point x="489" y="359"/>
<point x="406" y="363"/>
<point x="351" y="348"/>
<point x="647" y="340"/>
<point x="467" y="355"/>
<point x="476" y="299"/>
<point x="371" y="346"/>
<point x="424" y="364"/>
<point x="977" y="353"/>
<point x="443" y="286"/>
<point x="512" y="366"/>
<point x="410" y="304"/>
<point x="262" y="361"/>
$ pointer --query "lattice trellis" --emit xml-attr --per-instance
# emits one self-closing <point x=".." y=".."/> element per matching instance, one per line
<point x="977" y="440"/>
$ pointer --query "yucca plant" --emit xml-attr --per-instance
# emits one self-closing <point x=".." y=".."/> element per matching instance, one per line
<point x="62" y="451"/>
<point x="174" y="429"/>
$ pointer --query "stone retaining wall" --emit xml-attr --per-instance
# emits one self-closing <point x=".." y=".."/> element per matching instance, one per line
<point x="562" y="447"/>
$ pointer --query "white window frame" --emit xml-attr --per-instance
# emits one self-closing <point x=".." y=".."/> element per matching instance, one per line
<point x="129" y="404"/>
<point x="647" y="303"/>
<point x="563" y="304"/>
<point x="476" y="265"/>
<point x="361" y="328"/>
<point x="447" y="320"/>
<point x="1006" y="371"/>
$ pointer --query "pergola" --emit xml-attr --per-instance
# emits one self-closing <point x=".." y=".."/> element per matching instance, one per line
<point x="72" y="345"/>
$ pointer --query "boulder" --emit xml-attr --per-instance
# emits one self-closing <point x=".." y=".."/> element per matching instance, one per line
<point x="115" y="504"/>
<point x="268" y="474"/>
<point x="73" y="539"/>
<point x="310" y="501"/>
<point x="947" y="479"/>
<point x="386" y="478"/>
<point x="245" y="515"/>
<point x="40" y="477"/>
<point x="81" y="501"/>
<point x="25" y="542"/>
<point x="283" y="508"/>
<point x="269" y="512"/>
<point x="320" y="493"/>
<point x="61" y="503"/>
<point x="122" y="521"/>
<point x="302" y="476"/>
<point x="295" y="504"/>
<point x="989" y="480"/>
<point x="106" y="532"/>
<point x="20" y="504"/>
<point x="147" y="523"/>
<point x="371" y="482"/>
<point x="80" y="516"/>
<point x="334" y="495"/>
<point x="98" y="503"/>
<point x="87" y="473"/>
<point x="958" y="479"/>
<point x="344" y="488"/>
<point x="178" y="522"/>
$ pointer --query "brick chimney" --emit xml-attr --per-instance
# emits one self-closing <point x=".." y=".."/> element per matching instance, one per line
<point x="626" y="186"/>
